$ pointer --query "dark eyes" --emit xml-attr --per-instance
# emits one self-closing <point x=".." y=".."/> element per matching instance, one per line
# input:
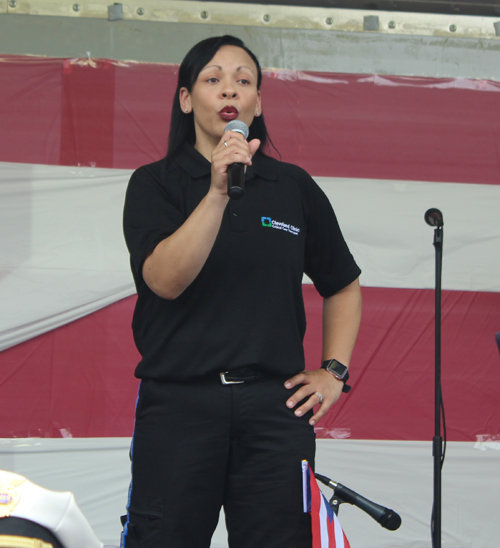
<point x="214" y="80"/>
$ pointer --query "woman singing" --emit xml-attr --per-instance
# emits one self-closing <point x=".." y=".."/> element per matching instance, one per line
<point x="225" y="409"/>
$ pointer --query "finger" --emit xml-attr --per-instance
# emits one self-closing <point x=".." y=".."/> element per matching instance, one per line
<point x="228" y="143"/>
<point x="319" y="413"/>
<point x="295" y="380"/>
<point x="254" y="145"/>
<point x="227" y="135"/>
<point x="222" y="160"/>
<point x="301" y="394"/>
<point x="231" y="137"/>
<point x="235" y="150"/>
<point x="309" y="404"/>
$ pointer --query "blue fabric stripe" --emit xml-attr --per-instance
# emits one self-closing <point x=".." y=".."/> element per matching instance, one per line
<point x="123" y="536"/>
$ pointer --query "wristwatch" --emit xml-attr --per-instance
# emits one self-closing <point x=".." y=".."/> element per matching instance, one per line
<point x="338" y="370"/>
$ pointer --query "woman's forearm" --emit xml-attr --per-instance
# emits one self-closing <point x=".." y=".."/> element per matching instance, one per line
<point x="341" y="320"/>
<point x="176" y="261"/>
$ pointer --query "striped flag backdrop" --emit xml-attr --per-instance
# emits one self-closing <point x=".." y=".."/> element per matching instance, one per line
<point x="383" y="148"/>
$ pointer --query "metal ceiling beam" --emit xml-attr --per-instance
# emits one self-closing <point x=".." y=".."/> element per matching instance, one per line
<point x="260" y="15"/>
<point x="486" y="8"/>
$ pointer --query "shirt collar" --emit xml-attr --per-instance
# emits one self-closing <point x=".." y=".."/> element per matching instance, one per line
<point x="192" y="162"/>
<point x="196" y="165"/>
<point x="263" y="167"/>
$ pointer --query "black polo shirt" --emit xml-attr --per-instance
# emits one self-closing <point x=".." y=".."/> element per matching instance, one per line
<point x="245" y="307"/>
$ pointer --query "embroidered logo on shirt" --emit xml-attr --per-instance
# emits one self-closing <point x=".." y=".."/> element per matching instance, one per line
<point x="268" y="222"/>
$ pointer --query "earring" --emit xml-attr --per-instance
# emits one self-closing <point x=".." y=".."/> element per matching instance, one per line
<point x="187" y="110"/>
<point x="257" y="113"/>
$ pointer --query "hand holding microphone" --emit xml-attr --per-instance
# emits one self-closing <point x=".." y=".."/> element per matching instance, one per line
<point x="236" y="171"/>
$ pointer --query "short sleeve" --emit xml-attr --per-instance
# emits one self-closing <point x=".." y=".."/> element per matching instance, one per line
<point x="153" y="211"/>
<point x="328" y="261"/>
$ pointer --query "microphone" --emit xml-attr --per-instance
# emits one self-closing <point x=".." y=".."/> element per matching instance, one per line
<point x="386" y="517"/>
<point x="236" y="172"/>
<point x="434" y="217"/>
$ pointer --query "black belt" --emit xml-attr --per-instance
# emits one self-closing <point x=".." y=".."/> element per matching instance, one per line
<point x="240" y="375"/>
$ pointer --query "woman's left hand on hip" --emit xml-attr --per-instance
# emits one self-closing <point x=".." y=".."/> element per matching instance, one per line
<point x="319" y="387"/>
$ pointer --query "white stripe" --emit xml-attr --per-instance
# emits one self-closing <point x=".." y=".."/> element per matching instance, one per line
<point x="396" y="474"/>
<point x="323" y="520"/>
<point x="63" y="253"/>
<point x="63" y="250"/>
<point x="383" y="223"/>
<point x="339" y="534"/>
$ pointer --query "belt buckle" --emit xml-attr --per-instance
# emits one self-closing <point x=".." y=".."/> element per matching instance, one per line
<point x="224" y="381"/>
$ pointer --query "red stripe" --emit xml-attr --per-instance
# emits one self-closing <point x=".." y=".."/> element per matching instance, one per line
<point x="89" y="364"/>
<point x="392" y="369"/>
<point x="88" y="100"/>
<point x="315" y="509"/>
<point x="78" y="378"/>
<point x="341" y="125"/>
<point x="356" y="128"/>
<point x="30" y="110"/>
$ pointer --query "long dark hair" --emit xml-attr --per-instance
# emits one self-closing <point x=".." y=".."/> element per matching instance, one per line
<point x="181" y="123"/>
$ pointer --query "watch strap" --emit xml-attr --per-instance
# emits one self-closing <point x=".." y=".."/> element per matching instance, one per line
<point x="330" y="365"/>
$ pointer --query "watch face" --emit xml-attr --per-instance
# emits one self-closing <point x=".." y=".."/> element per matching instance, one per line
<point x="338" y="369"/>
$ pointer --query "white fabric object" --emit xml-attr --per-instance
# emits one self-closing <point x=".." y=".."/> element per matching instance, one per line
<point x="56" y="511"/>
<point x="63" y="255"/>
<point x="395" y="474"/>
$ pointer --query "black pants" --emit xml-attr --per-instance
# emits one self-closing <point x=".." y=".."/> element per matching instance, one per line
<point x="200" y="445"/>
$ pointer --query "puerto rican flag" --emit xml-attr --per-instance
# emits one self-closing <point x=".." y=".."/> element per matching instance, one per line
<point x="326" y="529"/>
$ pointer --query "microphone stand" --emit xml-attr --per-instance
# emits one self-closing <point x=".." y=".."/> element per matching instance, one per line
<point x="385" y="517"/>
<point x="434" y="217"/>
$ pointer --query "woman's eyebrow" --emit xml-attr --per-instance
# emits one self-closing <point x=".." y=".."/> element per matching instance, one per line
<point x="244" y="67"/>
<point x="211" y="66"/>
<point x="220" y="68"/>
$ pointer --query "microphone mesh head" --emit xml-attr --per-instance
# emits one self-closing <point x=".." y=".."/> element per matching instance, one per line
<point x="239" y="126"/>
<point x="434" y="217"/>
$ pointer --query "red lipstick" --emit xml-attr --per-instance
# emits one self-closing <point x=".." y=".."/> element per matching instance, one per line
<point x="228" y="113"/>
